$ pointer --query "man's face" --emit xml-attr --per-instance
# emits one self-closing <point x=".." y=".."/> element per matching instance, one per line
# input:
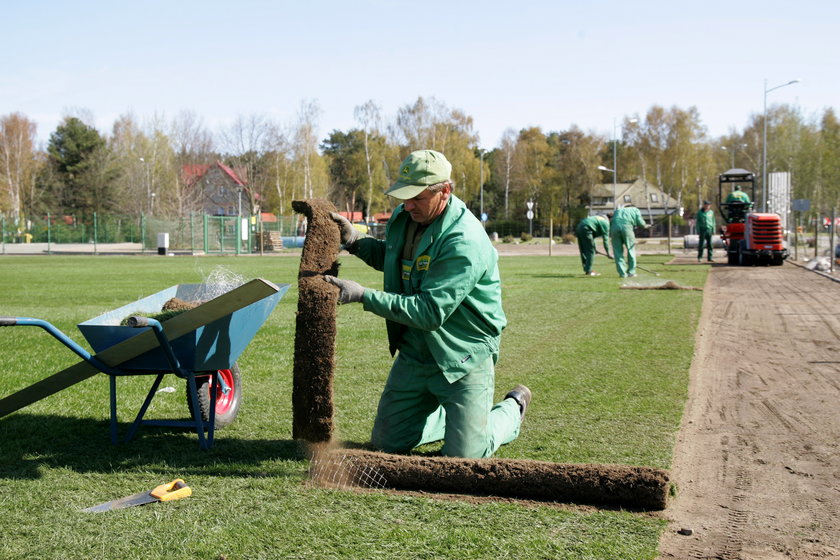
<point x="427" y="206"/>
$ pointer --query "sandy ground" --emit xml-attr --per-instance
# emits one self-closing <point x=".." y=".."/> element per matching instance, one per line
<point x="756" y="458"/>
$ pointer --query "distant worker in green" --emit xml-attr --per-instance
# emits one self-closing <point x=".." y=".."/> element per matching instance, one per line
<point x="737" y="195"/>
<point x="587" y="231"/>
<point x="624" y="238"/>
<point x="705" y="229"/>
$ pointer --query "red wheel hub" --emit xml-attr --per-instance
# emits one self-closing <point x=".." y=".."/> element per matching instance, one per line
<point x="223" y="401"/>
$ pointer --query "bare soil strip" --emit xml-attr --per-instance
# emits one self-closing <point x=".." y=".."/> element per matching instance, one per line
<point x="756" y="460"/>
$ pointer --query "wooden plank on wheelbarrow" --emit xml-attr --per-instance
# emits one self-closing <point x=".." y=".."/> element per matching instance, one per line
<point x="175" y="327"/>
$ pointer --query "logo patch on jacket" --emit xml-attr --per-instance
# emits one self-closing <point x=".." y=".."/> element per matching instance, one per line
<point x="423" y="262"/>
<point x="406" y="271"/>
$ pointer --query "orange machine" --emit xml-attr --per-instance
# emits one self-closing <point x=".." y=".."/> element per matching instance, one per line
<point x="750" y="238"/>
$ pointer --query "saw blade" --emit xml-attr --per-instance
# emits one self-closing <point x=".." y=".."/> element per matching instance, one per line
<point x="129" y="501"/>
<point x="171" y="491"/>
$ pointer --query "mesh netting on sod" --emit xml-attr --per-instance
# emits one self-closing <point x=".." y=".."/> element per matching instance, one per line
<point x="641" y="488"/>
<point x="314" y="363"/>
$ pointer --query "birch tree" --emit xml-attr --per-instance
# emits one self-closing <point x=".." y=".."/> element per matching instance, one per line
<point x="18" y="163"/>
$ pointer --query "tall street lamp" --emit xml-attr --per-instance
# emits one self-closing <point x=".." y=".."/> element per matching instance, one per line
<point x="481" y="183"/>
<point x="734" y="149"/>
<point x="602" y="168"/>
<point x="615" y="158"/>
<point x="149" y="194"/>
<point x="764" y="144"/>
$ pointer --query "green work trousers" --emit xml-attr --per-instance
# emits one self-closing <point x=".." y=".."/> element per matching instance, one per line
<point x="586" y="246"/>
<point x="624" y="238"/>
<point x="418" y="405"/>
<point x="704" y="237"/>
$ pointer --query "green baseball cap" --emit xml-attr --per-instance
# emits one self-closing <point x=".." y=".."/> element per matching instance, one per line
<point x="419" y="171"/>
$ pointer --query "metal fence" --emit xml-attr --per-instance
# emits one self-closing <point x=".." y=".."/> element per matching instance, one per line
<point x="191" y="233"/>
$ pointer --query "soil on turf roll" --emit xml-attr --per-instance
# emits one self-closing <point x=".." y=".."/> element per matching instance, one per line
<point x="640" y="488"/>
<point x="315" y="330"/>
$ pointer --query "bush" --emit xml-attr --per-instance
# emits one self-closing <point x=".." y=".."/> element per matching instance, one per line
<point x="525" y="237"/>
<point x="568" y="239"/>
<point x="507" y="239"/>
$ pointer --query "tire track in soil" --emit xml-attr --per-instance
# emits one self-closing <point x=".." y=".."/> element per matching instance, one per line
<point x="755" y="459"/>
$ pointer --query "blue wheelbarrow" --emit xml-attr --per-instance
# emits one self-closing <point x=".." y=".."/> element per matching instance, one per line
<point x="200" y="345"/>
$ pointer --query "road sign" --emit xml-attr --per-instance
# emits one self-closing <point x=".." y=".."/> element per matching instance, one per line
<point x="484" y="216"/>
<point x="529" y="215"/>
<point x="800" y="204"/>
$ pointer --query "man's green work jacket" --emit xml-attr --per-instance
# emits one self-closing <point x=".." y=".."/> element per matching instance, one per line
<point x="454" y="294"/>
<point x="706" y="221"/>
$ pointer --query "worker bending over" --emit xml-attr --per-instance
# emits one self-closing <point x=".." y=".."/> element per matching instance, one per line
<point x="587" y="231"/>
<point x="623" y="239"/>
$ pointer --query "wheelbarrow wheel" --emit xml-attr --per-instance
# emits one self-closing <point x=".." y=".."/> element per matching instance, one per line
<point x="227" y="404"/>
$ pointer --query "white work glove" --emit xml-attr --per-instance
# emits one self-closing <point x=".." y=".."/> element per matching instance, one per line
<point x="350" y="292"/>
<point x="349" y="234"/>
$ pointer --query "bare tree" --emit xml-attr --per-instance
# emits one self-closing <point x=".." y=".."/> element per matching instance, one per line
<point x="280" y="164"/>
<point x="306" y="143"/>
<point x="17" y="162"/>
<point x="505" y="164"/>
<point x="245" y="142"/>
<point x="192" y="145"/>
<point x="369" y="116"/>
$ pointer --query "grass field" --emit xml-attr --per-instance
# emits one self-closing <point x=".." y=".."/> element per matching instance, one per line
<point x="608" y="369"/>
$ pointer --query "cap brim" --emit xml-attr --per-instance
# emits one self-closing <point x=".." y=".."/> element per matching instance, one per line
<point x="402" y="191"/>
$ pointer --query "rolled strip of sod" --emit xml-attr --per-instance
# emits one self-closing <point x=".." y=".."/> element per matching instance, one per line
<point x="315" y="329"/>
<point x="638" y="488"/>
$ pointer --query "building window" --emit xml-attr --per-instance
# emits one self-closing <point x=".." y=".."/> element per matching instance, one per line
<point x="627" y="198"/>
<point x="654" y="197"/>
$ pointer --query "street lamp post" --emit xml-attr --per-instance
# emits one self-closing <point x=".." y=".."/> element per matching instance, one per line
<point x="735" y="149"/>
<point x="148" y="183"/>
<point x="764" y="144"/>
<point x="481" y="183"/>
<point x="615" y="159"/>
<point x="602" y="168"/>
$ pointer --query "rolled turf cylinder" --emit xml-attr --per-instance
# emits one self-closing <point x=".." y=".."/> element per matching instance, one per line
<point x="638" y="488"/>
<point x="315" y="330"/>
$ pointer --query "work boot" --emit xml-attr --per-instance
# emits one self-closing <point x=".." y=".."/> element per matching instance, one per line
<point x="522" y="395"/>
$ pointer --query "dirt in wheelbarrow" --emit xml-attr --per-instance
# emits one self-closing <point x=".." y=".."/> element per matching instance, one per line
<point x="315" y="328"/>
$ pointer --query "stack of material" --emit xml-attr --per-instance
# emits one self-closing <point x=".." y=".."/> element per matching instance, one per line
<point x="314" y="366"/>
<point x="270" y="240"/>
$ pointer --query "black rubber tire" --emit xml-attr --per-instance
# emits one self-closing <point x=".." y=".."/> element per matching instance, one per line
<point x="744" y="259"/>
<point x="227" y="406"/>
<point x="732" y="258"/>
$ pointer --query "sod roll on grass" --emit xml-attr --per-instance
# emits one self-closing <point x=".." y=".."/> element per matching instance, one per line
<point x="314" y="363"/>
<point x="639" y="488"/>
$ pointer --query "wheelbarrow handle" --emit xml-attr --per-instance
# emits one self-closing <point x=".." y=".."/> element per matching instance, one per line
<point x="58" y="335"/>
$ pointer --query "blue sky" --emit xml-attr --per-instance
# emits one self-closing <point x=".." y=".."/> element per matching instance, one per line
<point x="551" y="64"/>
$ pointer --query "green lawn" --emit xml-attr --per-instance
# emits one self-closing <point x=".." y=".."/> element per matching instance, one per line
<point x="608" y="369"/>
